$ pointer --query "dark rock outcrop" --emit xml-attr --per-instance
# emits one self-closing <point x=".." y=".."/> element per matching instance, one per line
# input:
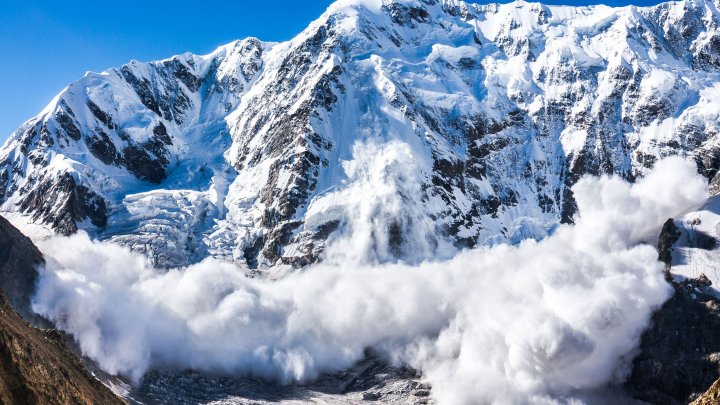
<point x="36" y="367"/>
<point x="19" y="259"/>
<point x="669" y="235"/>
<point x="63" y="202"/>
<point x="710" y="397"/>
<point x="680" y="353"/>
<point x="372" y="380"/>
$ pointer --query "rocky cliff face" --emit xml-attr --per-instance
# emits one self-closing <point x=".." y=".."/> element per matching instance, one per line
<point x="19" y="259"/>
<point x="255" y="152"/>
<point x="680" y="355"/>
<point x="372" y="380"/>
<point x="36" y="367"/>
<point x="710" y="397"/>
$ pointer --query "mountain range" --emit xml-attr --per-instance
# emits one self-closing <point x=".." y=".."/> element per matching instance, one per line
<point x="388" y="131"/>
<point x="452" y="124"/>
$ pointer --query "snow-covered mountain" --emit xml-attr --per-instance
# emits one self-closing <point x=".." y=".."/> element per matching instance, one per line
<point x="445" y="124"/>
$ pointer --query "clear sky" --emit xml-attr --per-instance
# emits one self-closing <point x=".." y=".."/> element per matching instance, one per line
<point x="46" y="44"/>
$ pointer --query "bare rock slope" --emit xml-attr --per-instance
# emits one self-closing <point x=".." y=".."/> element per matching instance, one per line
<point x="36" y="367"/>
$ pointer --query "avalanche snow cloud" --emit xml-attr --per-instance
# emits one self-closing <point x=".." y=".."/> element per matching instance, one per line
<point x="508" y="324"/>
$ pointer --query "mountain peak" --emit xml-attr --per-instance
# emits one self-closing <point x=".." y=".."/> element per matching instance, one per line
<point x="255" y="150"/>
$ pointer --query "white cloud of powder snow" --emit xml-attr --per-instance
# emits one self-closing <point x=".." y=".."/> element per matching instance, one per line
<point x="507" y="324"/>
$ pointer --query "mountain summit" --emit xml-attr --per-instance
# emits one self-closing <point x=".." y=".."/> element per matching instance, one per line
<point x="444" y="124"/>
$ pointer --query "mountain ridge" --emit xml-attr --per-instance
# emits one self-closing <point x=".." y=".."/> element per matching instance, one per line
<point x="491" y="112"/>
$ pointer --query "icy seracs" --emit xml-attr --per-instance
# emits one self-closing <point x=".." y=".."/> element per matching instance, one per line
<point x="483" y="116"/>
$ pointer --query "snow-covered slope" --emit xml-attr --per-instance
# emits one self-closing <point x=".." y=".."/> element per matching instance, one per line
<point x="444" y="124"/>
<point x="696" y="251"/>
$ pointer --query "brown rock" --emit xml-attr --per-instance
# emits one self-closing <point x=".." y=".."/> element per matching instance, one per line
<point x="18" y="260"/>
<point x="711" y="397"/>
<point x="36" y="367"/>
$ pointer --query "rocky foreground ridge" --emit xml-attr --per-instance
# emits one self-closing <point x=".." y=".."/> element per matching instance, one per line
<point x="680" y="352"/>
<point x="36" y="365"/>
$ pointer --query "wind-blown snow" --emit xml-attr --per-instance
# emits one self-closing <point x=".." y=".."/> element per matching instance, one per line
<point x="507" y="324"/>
<point x="382" y="192"/>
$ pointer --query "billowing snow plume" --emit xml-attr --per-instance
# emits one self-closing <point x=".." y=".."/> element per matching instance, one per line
<point x="508" y="324"/>
<point x="381" y="208"/>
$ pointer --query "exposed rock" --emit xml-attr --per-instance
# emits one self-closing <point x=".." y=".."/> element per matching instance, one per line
<point x="144" y="166"/>
<point x="503" y="105"/>
<point x="668" y="236"/>
<point x="63" y="203"/>
<point x="710" y="397"/>
<point x="19" y="259"/>
<point x="102" y="148"/>
<point x="372" y="380"/>
<point x="36" y="367"/>
<point x="680" y="352"/>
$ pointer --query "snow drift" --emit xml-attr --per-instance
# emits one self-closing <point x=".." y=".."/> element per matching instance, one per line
<point x="525" y="323"/>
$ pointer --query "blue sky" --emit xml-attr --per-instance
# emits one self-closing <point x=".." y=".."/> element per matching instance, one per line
<point x="46" y="44"/>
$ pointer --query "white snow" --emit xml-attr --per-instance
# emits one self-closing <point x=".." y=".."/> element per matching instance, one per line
<point x="536" y="323"/>
<point x="692" y="261"/>
<point x="448" y="74"/>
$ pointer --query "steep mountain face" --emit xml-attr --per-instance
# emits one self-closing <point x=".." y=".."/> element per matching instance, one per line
<point x="679" y="353"/>
<point x="36" y="367"/>
<point x="712" y="396"/>
<point x="443" y="124"/>
<point x="19" y="259"/>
